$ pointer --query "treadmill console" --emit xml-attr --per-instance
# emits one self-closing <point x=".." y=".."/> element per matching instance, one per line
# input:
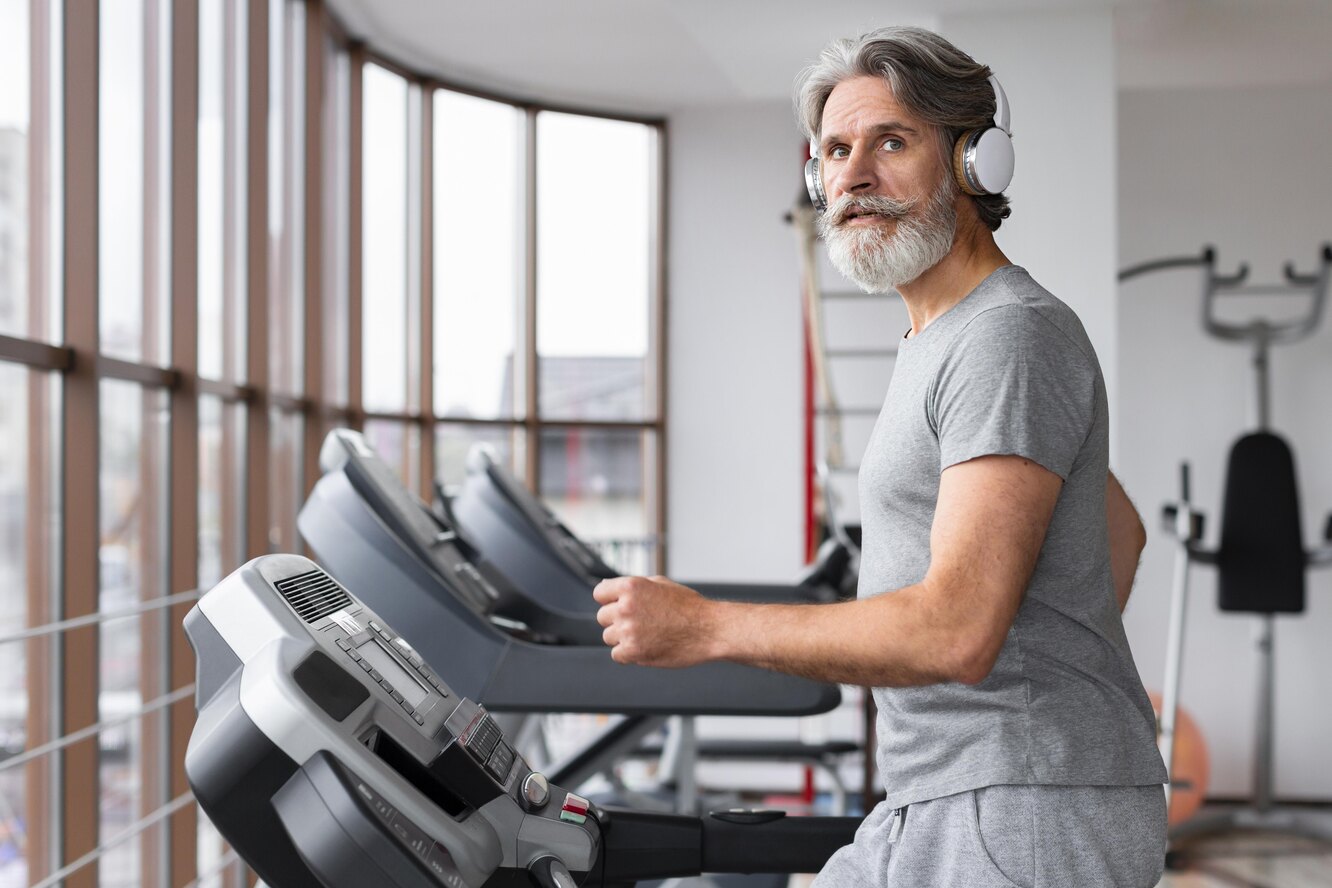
<point x="329" y="753"/>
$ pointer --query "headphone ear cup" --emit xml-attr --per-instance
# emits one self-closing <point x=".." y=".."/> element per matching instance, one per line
<point x="983" y="161"/>
<point x="960" y="149"/>
<point x="814" y="185"/>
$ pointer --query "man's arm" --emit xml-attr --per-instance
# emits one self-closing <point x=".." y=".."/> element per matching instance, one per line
<point x="1127" y="538"/>
<point x="988" y="529"/>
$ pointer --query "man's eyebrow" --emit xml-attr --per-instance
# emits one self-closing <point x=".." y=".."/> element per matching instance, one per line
<point x="891" y="126"/>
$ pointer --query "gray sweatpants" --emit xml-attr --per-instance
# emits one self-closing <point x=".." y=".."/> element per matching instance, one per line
<point x="1011" y="837"/>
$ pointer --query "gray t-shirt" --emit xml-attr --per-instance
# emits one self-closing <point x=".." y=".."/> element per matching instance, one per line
<point x="1009" y="370"/>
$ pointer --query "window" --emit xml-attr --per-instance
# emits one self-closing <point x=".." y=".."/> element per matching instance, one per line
<point x="517" y="244"/>
<point x="163" y="390"/>
<point x="592" y="316"/>
<point x="478" y="259"/>
<point x="384" y="236"/>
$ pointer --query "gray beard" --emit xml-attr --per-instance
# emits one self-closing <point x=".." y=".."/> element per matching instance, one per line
<point x="880" y="261"/>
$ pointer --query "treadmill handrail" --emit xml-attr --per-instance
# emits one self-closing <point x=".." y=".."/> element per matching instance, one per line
<point x="535" y="678"/>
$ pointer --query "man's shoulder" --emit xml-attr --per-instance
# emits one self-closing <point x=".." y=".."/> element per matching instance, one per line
<point x="1012" y="305"/>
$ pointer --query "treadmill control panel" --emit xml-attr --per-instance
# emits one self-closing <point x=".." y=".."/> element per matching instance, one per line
<point x="392" y="664"/>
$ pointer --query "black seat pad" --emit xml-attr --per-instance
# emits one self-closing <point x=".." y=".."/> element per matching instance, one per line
<point x="1261" y="559"/>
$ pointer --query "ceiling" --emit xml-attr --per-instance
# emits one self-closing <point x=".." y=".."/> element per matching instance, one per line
<point x="654" y="57"/>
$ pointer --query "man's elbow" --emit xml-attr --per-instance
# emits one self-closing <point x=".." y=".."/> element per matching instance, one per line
<point x="973" y="662"/>
<point x="1138" y="536"/>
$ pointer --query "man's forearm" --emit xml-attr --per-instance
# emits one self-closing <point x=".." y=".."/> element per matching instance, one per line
<point x="892" y="640"/>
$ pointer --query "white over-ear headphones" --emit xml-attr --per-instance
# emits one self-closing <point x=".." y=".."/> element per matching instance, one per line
<point x="982" y="158"/>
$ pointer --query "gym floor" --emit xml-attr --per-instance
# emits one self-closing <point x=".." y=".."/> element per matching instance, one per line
<point x="1240" y="861"/>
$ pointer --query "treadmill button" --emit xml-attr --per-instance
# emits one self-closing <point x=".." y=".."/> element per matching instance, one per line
<point x="344" y="644"/>
<point x="405" y="704"/>
<point x="375" y="674"/>
<point x="417" y="717"/>
<point x="354" y="655"/>
<point x="388" y="688"/>
<point x="397" y="697"/>
<point x="576" y="804"/>
<point x="365" y="664"/>
<point x="536" y="791"/>
<point x="376" y="627"/>
<point x="501" y="762"/>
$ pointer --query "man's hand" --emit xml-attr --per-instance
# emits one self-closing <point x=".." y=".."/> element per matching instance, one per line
<point x="652" y="621"/>
<point x="1127" y="539"/>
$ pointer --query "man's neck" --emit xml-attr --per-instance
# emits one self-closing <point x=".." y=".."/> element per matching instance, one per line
<point x="973" y="258"/>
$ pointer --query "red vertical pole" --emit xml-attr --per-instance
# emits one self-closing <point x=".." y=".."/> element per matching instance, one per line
<point x="811" y="531"/>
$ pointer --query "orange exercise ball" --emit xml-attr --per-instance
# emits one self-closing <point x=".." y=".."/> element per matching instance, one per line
<point x="1188" y="773"/>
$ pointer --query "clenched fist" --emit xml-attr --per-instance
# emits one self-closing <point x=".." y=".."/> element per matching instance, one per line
<point x="652" y="621"/>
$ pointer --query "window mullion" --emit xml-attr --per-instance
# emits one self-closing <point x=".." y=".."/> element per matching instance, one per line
<point x="532" y="422"/>
<point x="183" y="441"/>
<point x="78" y="765"/>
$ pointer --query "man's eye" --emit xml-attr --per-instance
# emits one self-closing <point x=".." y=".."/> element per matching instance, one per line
<point x="840" y="152"/>
<point x="893" y="144"/>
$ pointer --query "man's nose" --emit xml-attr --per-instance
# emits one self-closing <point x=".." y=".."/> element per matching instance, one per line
<point x="858" y="175"/>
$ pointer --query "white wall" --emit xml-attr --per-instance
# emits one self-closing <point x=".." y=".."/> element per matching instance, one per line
<point x="735" y="444"/>
<point x="1244" y="170"/>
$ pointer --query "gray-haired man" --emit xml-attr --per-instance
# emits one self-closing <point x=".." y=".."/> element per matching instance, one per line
<point x="1016" y="742"/>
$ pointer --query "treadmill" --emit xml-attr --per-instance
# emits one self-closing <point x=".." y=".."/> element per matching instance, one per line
<point x="423" y="572"/>
<point x="509" y="525"/>
<point x="497" y="644"/>
<point x="329" y="756"/>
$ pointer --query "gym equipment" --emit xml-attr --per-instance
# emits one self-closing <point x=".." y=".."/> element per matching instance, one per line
<point x="510" y="527"/>
<point x="982" y="158"/>
<point x="498" y="646"/>
<point x="365" y="527"/>
<point x="328" y="754"/>
<point x="1261" y="560"/>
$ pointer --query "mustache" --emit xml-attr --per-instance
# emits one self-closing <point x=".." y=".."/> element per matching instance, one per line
<point x="844" y="206"/>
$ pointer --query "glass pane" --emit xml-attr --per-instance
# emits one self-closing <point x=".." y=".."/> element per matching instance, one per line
<point x="221" y="489"/>
<point x="384" y="240"/>
<point x="596" y="481"/>
<point x="221" y="198"/>
<point x="132" y="650"/>
<point x="29" y="546"/>
<point x="212" y="135"/>
<point x="478" y="258"/>
<point x="452" y="443"/>
<point x="14" y="424"/>
<point x="337" y="215"/>
<point x="30" y="148"/>
<point x="396" y="443"/>
<point x="121" y="180"/>
<point x="14" y="135"/>
<point x="286" y="195"/>
<point x="592" y="316"/>
<point x="286" y="490"/>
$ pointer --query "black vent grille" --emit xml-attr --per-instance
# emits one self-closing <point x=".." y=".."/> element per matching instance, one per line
<point x="313" y="595"/>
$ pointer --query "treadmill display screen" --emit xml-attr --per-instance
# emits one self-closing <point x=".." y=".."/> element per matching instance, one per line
<point x="377" y="656"/>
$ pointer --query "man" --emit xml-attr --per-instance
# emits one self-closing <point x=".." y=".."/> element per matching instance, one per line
<point x="1016" y="742"/>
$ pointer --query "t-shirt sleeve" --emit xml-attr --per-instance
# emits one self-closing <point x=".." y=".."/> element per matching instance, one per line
<point x="1014" y="384"/>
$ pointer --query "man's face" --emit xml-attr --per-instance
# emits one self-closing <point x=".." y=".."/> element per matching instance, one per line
<point x="890" y="213"/>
